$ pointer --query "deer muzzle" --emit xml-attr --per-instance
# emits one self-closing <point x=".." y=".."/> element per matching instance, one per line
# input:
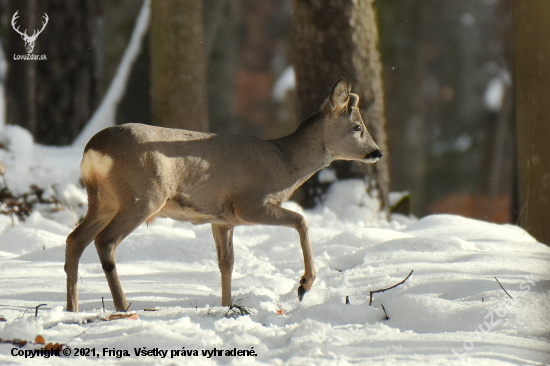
<point x="374" y="156"/>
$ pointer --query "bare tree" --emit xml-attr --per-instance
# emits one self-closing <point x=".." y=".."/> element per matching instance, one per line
<point x="532" y="68"/>
<point x="221" y="30"/>
<point x="333" y="39"/>
<point x="178" y="65"/>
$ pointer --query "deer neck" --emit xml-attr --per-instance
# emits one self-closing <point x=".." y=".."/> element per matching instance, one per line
<point x="304" y="149"/>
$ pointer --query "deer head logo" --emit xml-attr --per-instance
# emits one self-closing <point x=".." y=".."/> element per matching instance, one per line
<point x="29" y="41"/>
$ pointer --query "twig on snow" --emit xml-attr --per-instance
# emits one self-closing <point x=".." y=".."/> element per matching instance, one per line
<point x="389" y="288"/>
<point x="96" y="322"/>
<point x="503" y="288"/>
<point x="196" y="305"/>
<point x="36" y="309"/>
<point x="383" y="308"/>
<point x="235" y="309"/>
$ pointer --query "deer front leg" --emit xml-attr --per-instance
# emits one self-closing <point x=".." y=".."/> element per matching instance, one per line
<point x="271" y="214"/>
<point x="309" y="276"/>
<point x="223" y="236"/>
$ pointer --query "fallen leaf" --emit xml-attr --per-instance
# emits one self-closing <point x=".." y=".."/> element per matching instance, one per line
<point x="16" y="342"/>
<point x="39" y="340"/>
<point x="116" y="316"/>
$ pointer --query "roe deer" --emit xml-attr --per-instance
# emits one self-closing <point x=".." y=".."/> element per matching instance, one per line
<point x="134" y="173"/>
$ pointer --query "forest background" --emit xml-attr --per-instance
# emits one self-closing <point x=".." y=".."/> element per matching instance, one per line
<point x="439" y="84"/>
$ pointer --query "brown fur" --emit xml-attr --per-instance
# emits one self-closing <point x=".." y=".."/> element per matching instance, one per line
<point x="134" y="173"/>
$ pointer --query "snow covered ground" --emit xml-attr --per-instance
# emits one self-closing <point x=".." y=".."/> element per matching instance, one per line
<point x="450" y="311"/>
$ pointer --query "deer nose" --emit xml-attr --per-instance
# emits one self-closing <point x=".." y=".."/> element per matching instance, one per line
<point x="374" y="156"/>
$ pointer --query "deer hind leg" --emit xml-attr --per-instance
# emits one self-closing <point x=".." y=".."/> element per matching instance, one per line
<point x="223" y="236"/>
<point x="78" y="240"/>
<point x="271" y="214"/>
<point x="126" y="220"/>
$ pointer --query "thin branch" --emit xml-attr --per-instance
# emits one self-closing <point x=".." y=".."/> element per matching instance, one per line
<point x="196" y="305"/>
<point x="36" y="309"/>
<point x="96" y="322"/>
<point x="503" y="288"/>
<point x="389" y="288"/>
<point x="383" y="308"/>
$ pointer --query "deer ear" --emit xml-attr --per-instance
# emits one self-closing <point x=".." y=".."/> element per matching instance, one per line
<point x="338" y="98"/>
<point x="339" y="94"/>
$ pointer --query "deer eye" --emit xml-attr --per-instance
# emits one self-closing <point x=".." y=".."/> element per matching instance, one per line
<point x="357" y="128"/>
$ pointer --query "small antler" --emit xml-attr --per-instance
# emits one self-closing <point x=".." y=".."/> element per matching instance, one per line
<point x="13" y="19"/>
<point x="35" y="35"/>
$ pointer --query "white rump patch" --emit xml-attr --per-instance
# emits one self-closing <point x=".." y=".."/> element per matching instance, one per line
<point x="96" y="163"/>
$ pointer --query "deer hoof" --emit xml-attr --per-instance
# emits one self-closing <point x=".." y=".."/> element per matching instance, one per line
<point x="301" y="292"/>
<point x="305" y="285"/>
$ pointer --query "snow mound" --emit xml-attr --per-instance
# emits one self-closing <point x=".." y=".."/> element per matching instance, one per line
<point x="451" y="310"/>
<point x="451" y="226"/>
<point x="24" y="329"/>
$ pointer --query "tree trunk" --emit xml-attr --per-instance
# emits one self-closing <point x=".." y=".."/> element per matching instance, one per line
<point x="532" y="66"/>
<point x="221" y="29"/>
<point x="407" y="51"/>
<point x="333" y="39"/>
<point x="54" y="98"/>
<point x="21" y="76"/>
<point x="178" y="67"/>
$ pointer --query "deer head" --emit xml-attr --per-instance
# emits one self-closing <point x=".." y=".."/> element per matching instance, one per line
<point x="29" y="41"/>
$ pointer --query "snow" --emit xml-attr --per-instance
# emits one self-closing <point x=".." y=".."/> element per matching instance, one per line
<point x="3" y="73"/>
<point x="493" y="97"/>
<point x="494" y="94"/>
<point x="286" y="82"/>
<point x="327" y="175"/>
<point x="450" y="311"/>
